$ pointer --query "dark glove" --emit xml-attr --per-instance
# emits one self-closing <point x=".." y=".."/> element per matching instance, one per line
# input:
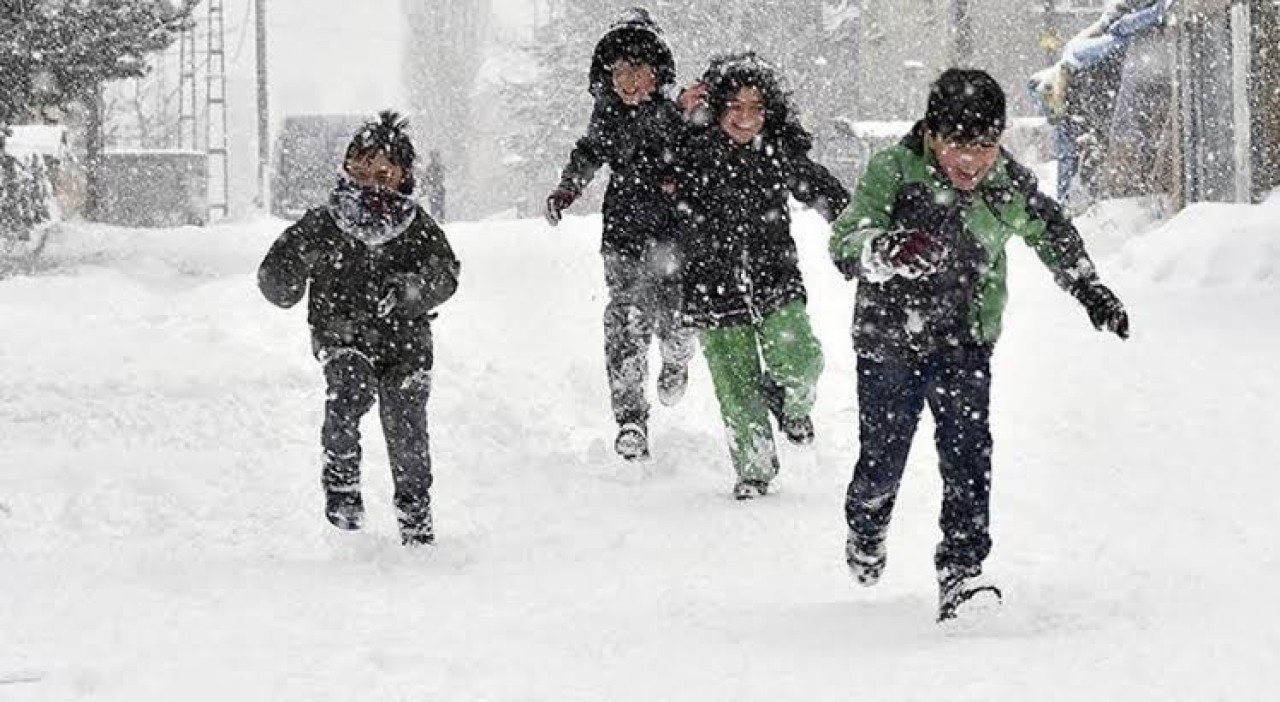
<point x="557" y="202"/>
<point x="1104" y="308"/>
<point x="402" y="293"/>
<point x="910" y="253"/>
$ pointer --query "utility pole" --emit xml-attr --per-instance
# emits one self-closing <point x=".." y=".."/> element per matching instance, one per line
<point x="962" y="19"/>
<point x="264" y="111"/>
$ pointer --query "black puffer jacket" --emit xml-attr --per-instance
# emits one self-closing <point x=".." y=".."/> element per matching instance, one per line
<point x="739" y="259"/>
<point x="633" y="141"/>
<point x="349" y="279"/>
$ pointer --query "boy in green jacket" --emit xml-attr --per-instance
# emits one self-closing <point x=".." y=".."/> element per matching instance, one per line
<point x="925" y="238"/>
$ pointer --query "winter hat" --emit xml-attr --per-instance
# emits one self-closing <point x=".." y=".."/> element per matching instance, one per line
<point x="389" y="135"/>
<point x="634" y="35"/>
<point x="967" y="106"/>
<point x="729" y="73"/>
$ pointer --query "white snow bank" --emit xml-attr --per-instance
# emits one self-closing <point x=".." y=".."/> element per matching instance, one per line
<point x="1210" y="244"/>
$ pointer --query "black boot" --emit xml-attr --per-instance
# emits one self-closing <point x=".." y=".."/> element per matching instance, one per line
<point x="963" y="590"/>
<point x="344" y="508"/>
<point x="866" y="558"/>
<point x="632" y="442"/>
<point x="419" y="530"/>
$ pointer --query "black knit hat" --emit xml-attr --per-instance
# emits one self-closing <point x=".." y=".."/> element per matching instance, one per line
<point x="966" y="105"/>
<point x="388" y="134"/>
<point x="633" y="36"/>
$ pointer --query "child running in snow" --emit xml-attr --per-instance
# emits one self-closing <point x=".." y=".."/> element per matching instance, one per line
<point x="377" y="265"/>
<point x="631" y="128"/>
<point x="925" y="238"/>
<point x="739" y="162"/>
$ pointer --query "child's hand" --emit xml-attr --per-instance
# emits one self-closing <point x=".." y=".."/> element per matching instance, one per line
<point x="1105" y="309"/>
<point x="557" y="202"/>
<point x="402" y="292"/>
<point x="692" y="97"/>
<point x="908" y="253"/>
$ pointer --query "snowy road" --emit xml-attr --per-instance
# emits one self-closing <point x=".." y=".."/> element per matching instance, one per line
<point x="161" y="536"/>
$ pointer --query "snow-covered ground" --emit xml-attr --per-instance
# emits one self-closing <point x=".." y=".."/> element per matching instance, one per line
<point x="161" y="535"/>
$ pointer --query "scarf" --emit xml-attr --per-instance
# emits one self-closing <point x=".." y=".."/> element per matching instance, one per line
<point x="370" y="214"/>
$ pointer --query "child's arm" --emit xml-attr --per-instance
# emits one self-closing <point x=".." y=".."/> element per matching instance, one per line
<point x="587" y="156"/>
<point x="440" y="271"/>
<point x="1051" y="233"/>
<point x="868" y="214"/>
<point x="812" y="184"/>
<point x="435" y="281"/>
<point x="283" y="274"/>
<point x="1059" y="246"/>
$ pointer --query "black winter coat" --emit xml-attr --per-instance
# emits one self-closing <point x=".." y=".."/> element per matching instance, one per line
<point x="739" y="260"/>
<point x="636" y="144"/>
<point x="349" y="279"/>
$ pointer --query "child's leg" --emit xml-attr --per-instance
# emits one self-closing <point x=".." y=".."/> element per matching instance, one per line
<point x="628" y="329"/>
<point x="733" y="357"/>
<point x="793" y="356"/>
<point x="960" y="400"/>
<point x="351" y="382"/>
<point x="402" y="405"/>
<point x="890" y="399"/>
<point x="677" y="342"/>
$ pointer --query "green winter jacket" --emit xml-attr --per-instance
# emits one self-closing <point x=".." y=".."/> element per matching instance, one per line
<point x="963" y="302"/>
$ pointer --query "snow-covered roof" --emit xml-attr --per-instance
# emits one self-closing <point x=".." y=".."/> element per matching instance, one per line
<point x="27" y="140"/>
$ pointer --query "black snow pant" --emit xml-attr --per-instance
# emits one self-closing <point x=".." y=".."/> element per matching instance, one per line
<point x="353" y="386"/>
<point x="644" y="301"/>
<point x="956" y="384"/>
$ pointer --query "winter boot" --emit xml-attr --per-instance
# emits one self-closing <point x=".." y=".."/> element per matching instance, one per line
<point x="865" y="557"/>
<point x="632" y="442"/>
<point x="750" y="489"/>
<point x="416" y="526"/>
<point x="344" y="508"/>
<point x="963" y="591"/>
<point x="672" y="381"/>
<point x="798" y="430"/>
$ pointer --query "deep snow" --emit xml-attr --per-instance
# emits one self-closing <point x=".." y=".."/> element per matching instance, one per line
<point x="161" y="535"/>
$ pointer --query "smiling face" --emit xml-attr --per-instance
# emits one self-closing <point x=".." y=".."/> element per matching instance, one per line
<point x="634" y="82"/>
<point x="965" y="164"/>
<point x="744" y="115"/>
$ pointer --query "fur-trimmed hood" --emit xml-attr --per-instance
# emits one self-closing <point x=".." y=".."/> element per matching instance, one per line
<point x="633" y="35"/>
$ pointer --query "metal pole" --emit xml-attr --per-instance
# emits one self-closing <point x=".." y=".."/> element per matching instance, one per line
<point x="1241" y="69"/>
<point x="264" y="111"/>
<point x="962" y="19"/>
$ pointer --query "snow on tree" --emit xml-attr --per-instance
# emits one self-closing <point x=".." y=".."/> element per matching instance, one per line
<point x="61" y="52"/>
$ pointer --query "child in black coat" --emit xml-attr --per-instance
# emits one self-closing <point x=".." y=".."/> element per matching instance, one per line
<point x="736" y="168"/>
<point x="376" y="265"/>
<point x="631" y="128"/>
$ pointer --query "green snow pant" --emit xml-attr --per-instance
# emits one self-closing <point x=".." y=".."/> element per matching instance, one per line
<point x="791" y="356"/>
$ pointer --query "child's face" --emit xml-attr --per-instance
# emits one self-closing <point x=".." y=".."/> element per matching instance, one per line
<point x="374" y="169"/>
<point x="743" y="115"/>
<point x="634" y="82"/>
<point x="965" y="164"/>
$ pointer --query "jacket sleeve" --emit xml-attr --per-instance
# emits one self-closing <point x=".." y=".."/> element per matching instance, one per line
<point x="867" y="214"/>
<point x="283" y="273"/>
<point x="815" y="186"/>
<point x="587" y="156"/>
<point x="439" y="269"/>
<point x="1049" y="232"/>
